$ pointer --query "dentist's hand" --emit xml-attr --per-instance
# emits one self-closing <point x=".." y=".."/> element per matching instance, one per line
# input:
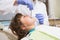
<point x="40" y="18"/>
<point x="29" y="3"/>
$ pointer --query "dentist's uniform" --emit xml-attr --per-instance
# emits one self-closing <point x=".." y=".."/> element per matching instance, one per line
<point x="40" y="13"/>
<point x="37" y="10"/>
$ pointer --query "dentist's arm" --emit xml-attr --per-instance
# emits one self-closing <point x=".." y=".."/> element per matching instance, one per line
<point x="29" y="3"/>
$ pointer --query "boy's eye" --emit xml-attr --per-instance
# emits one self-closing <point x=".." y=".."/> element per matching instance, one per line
<point x="24" y="16"/>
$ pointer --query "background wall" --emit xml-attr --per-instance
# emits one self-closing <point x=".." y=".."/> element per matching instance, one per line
<point x="54" y="8"/>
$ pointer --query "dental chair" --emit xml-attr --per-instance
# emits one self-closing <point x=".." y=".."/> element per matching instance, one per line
<point x="3" y="36"/>
<point x="6" y="34"/>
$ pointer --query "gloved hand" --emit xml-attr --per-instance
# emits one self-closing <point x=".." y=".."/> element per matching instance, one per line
<point x="26" y="2"/>
<point x="40" y="18"/>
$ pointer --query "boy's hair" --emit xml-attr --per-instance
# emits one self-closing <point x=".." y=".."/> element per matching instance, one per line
<point x="16" y="25"/>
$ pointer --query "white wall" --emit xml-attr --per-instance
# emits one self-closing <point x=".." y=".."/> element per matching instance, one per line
<point x="54" y="8"/>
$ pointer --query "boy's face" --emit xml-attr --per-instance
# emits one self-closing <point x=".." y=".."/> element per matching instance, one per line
<point x="27" y="22"/>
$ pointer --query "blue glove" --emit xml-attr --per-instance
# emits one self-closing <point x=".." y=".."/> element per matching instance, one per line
<point x="26" y="2"/>
<point x="40" y="18"/>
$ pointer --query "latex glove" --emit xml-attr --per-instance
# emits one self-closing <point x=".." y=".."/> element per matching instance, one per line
<point x="29" y="3"/>
<point x="40" y="18"/>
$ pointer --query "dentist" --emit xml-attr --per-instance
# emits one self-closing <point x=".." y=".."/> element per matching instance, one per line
<point x="35" y="9"/>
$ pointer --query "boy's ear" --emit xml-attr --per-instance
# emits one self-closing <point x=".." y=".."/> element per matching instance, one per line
<point x="23" y="27"/>
<point x="15" y="3"/>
